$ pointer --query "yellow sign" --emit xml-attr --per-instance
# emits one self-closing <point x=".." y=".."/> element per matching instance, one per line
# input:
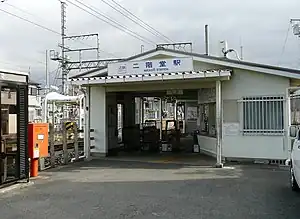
<point x="69" y="125"/>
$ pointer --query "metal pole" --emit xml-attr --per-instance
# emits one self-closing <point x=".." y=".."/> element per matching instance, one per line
<point x="206" y="40"/>
<point x="219" y="163"/>
<point x="51" y="143"/>
<point x="87" y="125"/>
<point x="63" y="61"/>
<point x="160" y="119"/>
<point x="47" y="86"/>
<point x="65" y="143"/>
<point x="76" y="141"/>
<point x="288" y="122"/>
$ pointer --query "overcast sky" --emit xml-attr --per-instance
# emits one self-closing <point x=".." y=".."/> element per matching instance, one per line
<point x="259" y="25"/>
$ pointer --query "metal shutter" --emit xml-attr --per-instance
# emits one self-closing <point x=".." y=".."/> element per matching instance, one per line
<point x="23" y="131"/>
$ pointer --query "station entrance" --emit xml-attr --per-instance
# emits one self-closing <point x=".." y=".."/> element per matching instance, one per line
<point x="14" y="162"/>
<point x="157" y="122"/>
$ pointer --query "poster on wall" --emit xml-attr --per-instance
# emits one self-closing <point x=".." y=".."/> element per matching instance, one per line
<point x="231" y="129"/>
<point x="192" y="113"/>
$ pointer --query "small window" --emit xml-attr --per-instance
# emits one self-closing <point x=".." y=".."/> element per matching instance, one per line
<point x="34" y="91"/>
<point x="263" y="115"/>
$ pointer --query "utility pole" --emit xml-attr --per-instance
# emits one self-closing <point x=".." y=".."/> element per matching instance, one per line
<point x="63" y="58"/>
<point x="46" y="69"/>
<point x="67" y="65"/>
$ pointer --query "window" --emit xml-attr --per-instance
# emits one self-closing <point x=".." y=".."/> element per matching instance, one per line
<point x="263" y="115"/>
<point x="33" y="91"/>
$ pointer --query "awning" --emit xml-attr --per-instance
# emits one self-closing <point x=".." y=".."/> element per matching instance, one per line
<point x="56" y="97"/>
<point x="151" y="77"/>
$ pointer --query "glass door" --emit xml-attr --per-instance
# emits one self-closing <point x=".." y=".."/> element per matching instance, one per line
<point x="9" y="139"/>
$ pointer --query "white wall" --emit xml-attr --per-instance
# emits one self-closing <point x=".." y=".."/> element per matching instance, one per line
<point x="207" y="145"/>
<point x="98" y="118"/>
<point x="247" y="83"/>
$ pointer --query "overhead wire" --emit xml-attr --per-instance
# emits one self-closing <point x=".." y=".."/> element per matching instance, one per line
<point x="33" y="23"/>
<point x="137" y="20"/>
<point x="29" y="21"/>
<point x="110" y="21"/>
<point x="22" y="10"/>
<point x="284" y="45"/>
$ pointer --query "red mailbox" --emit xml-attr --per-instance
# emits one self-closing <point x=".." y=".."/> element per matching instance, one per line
<point x="37" y="144"/>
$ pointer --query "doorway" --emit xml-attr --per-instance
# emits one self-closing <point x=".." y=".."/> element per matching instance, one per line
<point x="13" y="145"/>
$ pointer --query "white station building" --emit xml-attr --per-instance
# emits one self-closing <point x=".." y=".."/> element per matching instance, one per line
<point x="242" y="107"/>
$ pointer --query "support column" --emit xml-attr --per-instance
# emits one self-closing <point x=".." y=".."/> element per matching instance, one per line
<point x="87" y="124"/>
<point x="219" y="123"/>
<point x="98" y="119"/>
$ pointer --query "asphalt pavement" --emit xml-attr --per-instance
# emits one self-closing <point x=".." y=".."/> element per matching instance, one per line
<point x="115" y="189"/>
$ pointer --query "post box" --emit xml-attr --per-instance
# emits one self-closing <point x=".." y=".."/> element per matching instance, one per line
<point x="37" y="144"/>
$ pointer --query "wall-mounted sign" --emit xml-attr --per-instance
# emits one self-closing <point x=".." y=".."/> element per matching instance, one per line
<point x="151" y="66"/>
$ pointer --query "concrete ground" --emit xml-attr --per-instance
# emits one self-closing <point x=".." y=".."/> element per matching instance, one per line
<point x="129" y="189"/>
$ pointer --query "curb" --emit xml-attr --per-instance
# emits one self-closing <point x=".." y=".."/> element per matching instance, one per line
<point x="20" y="185"/>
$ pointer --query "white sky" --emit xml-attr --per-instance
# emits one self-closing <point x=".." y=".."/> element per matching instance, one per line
<point x="261" y="26"/>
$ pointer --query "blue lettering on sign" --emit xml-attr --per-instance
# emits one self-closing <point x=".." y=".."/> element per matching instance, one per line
<point x="162" y="64"/>
<point x="148" y="64"/>
<point x="122" y="67"/>
<point x="177" y="62"/>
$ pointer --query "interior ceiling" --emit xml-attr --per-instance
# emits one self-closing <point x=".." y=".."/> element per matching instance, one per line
<point x="187" y="94"/>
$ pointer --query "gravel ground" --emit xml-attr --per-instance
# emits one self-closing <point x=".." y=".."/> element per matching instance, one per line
<point x="115" y="189"/>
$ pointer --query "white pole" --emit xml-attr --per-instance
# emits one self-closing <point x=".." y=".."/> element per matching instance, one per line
<point x="288" y="123"/>
<point x="160" y="118"/>
<point x="219" y="123"/>
<point x="87" y="128"/>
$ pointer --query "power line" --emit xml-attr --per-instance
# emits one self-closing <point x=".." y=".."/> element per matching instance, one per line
<point x="115" y="23"/>
<point x="284" y="45"/>
<point x="31" y="22"/>
<point x="24" y="11"/>
<point x="149" y="29"/>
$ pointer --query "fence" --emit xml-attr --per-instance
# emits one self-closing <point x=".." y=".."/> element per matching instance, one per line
<point x="65" y="146"/>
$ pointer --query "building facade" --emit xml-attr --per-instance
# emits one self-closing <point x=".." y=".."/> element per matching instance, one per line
<point x="242" y="107"/>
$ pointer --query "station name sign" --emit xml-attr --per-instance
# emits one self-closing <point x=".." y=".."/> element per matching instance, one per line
<point x="151" y="66"/>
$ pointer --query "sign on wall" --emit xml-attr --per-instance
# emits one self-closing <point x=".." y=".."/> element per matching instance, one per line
<point x="151" y="66"/>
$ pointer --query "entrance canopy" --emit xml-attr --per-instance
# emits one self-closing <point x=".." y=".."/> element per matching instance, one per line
<point x="56" y="97"/>
<point x="152" y="77"/>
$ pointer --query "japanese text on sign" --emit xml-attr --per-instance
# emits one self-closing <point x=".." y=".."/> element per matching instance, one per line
<point x="152" y="66"/>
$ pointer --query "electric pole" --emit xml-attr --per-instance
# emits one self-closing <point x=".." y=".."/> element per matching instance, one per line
<point x="63" y="58"/>
<point x="46" y="72"/>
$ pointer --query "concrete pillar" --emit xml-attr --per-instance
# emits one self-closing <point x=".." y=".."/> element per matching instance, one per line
<point x="98" y="119"/>
<point x="219" y="123"/>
